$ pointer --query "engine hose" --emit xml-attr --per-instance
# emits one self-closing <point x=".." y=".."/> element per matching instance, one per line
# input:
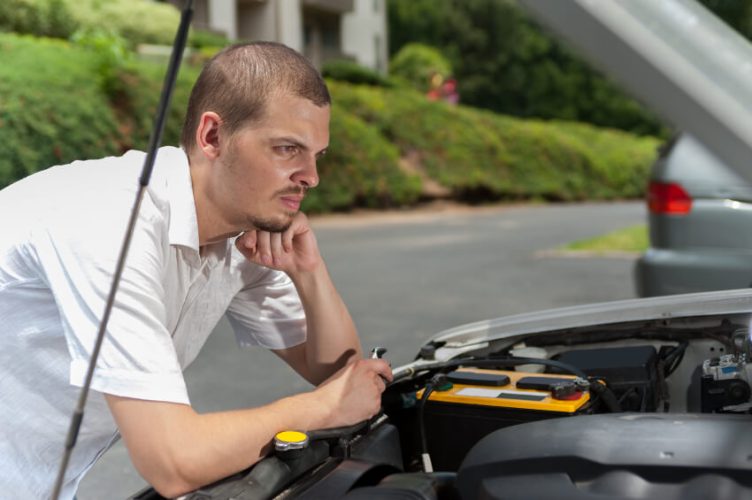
<point x="436" y="381"/>
<point x="606" y="395"/>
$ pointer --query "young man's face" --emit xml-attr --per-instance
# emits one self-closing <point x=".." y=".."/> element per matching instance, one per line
<point x="272" y="163"/>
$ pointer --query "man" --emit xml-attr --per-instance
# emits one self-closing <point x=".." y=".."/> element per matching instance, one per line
<point x="219" y="230"/>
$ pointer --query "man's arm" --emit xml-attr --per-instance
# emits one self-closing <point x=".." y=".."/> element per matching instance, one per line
<point x="178" y="450"/>
<point x="332" y="340"/>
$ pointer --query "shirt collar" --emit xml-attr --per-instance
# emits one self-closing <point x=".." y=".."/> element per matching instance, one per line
<point x="183" y="229"/>
<point x="183" y="226"/>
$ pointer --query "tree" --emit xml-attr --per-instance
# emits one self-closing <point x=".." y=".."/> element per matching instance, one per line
<point x="505" y="62"/>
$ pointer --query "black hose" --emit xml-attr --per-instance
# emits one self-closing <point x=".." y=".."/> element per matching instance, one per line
<point x="421" y="421"/>
<point x="436" y="381"/>
<point x="606" y="394"/>
<point x="674" y="358"/>
<point x="337" y="432"/>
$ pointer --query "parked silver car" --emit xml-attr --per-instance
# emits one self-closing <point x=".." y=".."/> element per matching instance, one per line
<point x="700" y="221"/>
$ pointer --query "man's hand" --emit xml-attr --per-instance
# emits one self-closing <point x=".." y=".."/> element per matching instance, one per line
<point x="293" y="251"/>
<point x="353" y="394"/>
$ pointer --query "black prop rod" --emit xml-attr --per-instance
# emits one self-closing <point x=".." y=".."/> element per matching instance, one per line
<point x="154" y="141"/>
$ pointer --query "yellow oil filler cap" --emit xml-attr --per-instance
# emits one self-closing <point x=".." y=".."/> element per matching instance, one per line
<point x="290" y="440"/>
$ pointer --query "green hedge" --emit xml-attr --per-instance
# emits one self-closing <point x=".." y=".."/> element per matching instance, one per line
<point x="137" y="21"/>
<point x="135" y="95"/>
<point x="51" y="109"/>
<point x="344" y="70"/>
<point x="478" y="154"/>
<point x="361" y="168"/>
<point x="60" y="102"/>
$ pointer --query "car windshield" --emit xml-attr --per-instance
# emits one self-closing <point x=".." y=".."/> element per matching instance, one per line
<point x="674" y="55"/>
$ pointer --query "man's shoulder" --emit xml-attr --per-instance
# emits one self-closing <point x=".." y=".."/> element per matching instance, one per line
<point x="110" y="173"/>
<point x="90" y="198"/>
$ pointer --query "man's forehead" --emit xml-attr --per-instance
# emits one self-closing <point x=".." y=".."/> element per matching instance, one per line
<point x="297" y="119"/>
<point x="287" y="102"/>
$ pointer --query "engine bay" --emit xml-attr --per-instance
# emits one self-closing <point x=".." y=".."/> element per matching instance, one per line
<point x="656" y="409"/>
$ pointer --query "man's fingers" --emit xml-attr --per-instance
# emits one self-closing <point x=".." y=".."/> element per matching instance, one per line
<point x="287" y="238"/>
<point x="246" y="242"/>
<point x="263" y="247"/>
<point x="380" y="367"/>
<point x="275" y="244"/>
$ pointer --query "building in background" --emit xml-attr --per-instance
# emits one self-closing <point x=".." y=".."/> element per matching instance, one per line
<point x="321" y="29"/>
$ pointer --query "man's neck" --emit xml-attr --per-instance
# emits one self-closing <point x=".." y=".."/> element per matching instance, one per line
<point x="211" y="227"/>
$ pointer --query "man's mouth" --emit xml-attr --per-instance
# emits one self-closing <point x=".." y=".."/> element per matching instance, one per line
<point x="292" y="201"/>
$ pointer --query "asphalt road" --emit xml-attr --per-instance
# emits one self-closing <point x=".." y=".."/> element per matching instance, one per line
<point x="406" y="276"/>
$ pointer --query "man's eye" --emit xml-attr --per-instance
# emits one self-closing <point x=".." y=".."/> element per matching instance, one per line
<point x="286" y="150"/>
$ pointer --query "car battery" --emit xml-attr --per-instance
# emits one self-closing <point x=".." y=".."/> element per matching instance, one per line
<point x="479" y="401"/>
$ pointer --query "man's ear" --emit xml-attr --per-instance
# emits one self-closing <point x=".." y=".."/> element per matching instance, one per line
<point x="208" y="134"/>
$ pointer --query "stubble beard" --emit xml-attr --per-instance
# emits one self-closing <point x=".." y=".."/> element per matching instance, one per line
<point x="271" y="226"/>
<point x="276" y="225"/>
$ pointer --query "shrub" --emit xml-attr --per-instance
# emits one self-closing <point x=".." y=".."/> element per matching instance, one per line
<point x="135" y="97"/>
<point x="361" y="168"/>
<point x="503" y="61"/>
<point x="417" y="64"/>
<point x="138" y="21"/>
<point x="202" y="39"/>
<point x="51" y="18"/>
<point x="349" y="71"/>
<point x="478" y="154"/>
<point x="111" y="53"/>
<point x="51" y="110"/>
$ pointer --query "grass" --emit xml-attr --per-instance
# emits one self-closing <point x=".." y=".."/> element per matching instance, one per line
<point x="629" y="239"/>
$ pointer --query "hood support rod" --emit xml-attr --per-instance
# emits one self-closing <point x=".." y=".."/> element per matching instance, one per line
<point x="154" y="141"/>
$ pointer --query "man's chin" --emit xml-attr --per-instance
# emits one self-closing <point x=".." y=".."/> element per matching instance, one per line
<point x="273" y="225"/>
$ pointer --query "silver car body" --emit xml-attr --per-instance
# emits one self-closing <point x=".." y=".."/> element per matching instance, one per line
<point x="710" y="246"/>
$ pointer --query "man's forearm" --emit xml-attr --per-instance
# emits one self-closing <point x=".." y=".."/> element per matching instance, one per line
<point x="332" y="339"/>
<point x="178" y="450"/>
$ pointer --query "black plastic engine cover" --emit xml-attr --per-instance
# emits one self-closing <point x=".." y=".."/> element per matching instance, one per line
<point x="635" y="456"/>
<point x="630" y="371"/>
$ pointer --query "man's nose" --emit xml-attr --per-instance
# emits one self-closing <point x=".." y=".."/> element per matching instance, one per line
<point x="307" y="175"/>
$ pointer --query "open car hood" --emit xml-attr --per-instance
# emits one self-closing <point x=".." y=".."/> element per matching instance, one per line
<point x="464" y="337"/>
<point x="675" y="56"/>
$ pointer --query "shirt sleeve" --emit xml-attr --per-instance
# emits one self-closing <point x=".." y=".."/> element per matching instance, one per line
<point x="78" y="261"/>
<point x="267" y="311"/>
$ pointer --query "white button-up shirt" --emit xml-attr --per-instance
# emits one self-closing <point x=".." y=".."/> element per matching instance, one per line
<point x="60" y="237"/>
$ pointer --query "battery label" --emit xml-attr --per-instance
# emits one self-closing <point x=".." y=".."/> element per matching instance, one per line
<point x="479" y="393"/>
<point x="492" y="393"/>
<point x="523" y="395"/>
